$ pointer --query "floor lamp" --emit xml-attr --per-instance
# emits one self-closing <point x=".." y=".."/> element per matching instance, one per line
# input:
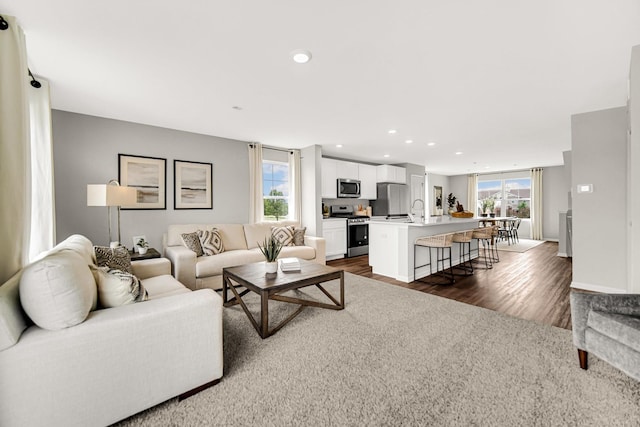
<point x="111" y="194"/>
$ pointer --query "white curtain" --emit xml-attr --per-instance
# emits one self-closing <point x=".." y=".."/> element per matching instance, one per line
<point x="15" y="196"/>
<point x="43" y="224"/>
<point x="536" y="204"/>
<point x="472" y="193"/>
<point x="256" y="203"/>
<point x="295" y="192"/>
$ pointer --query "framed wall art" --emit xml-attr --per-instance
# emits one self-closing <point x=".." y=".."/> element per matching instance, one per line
<point x="192" y="184"/>
<point x="437" y="200"/>
<point x="148" y="175"/>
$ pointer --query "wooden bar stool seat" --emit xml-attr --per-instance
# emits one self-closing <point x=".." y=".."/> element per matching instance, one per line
<point x="441" y="243"/>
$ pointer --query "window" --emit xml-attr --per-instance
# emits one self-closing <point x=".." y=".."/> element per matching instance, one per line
<point x="275" y="187"/>
<point x="505" y="197"/>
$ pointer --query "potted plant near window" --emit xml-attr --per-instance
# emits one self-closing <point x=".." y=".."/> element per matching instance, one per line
<point x="270" y="248"/>
<point x="142" y="246"/>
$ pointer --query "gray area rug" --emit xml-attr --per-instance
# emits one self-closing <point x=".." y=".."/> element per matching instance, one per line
<point x="396" y="356"/>
<point x="523" y="245"/>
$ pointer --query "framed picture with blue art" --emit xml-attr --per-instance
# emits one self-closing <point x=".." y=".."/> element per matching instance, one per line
<point x="192" y="184"/>
<point x="148" y="175"/>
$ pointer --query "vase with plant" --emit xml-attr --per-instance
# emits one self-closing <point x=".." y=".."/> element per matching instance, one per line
<point x="451" y="202"/>
<point x="142" y="246"/>
<point x="270" y="248"/>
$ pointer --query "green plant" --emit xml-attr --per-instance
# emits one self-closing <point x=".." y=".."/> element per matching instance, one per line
<point x="451" y="200"/>
<point x="142" y="243"/>
<point x="270" y="248"/>
<point x="488" y="204"/>
<point x="277" y="208"/>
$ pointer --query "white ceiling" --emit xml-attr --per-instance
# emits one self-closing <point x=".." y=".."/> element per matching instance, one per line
<point x="497" y="79"/>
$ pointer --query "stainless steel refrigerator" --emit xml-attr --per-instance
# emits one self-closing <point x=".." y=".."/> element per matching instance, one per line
<point x="393" y="199"/>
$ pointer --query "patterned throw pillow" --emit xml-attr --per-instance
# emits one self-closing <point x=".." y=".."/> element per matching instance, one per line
<point x="116" y="287"/>
<point x="298" y="236"/>
<point x="211" y="242"/>
<point x="117" y="258"/>
<point x="192" y="241"/>
<point x="283" y="234"/>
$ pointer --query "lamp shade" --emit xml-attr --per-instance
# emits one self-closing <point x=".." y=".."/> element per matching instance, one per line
<point x="110" y="195"/>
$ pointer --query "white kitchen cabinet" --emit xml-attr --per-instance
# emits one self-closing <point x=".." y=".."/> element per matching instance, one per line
<point x="329" y="178"/>
<point x="347" y="170"/>
<point x="391" y="174"/>
<point x="334" y="231"/>
<point x="367" y="174"/>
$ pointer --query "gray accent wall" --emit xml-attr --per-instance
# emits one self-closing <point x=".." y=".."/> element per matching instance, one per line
<point x="599" y="158"/>
<point x="86" y="148"/>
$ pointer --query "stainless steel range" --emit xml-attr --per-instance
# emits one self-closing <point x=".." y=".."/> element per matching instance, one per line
<point x="357" y="230"/>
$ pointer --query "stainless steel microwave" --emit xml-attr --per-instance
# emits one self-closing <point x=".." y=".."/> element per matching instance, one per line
<point x="348" y="188"/>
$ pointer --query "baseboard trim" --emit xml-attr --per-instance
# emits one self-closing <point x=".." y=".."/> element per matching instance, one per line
<point x="563" y="254"/>
<point x="597" y="288"/>
<point x="197" y="390"/>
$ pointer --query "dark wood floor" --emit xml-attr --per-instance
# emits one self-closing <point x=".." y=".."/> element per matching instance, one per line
<point x="533" y="285"/>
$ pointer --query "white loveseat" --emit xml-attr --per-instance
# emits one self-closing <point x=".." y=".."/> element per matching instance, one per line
<point x="115" y="363"/>
<point x="241" y="247"/>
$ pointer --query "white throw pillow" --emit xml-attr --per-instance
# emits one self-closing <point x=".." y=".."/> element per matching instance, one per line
<point x="58" y="291"/>
<point x="116" y="287"/>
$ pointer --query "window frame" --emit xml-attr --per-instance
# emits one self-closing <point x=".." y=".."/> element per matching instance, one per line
<point x="286" y="198"/>
<point x="502" y="202"/>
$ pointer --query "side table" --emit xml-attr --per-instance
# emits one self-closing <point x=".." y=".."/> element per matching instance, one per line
<point x="151" y="253"/>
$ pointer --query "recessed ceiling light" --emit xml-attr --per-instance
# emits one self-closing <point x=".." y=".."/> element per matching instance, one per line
<point x="339" y="145"/>
<point x="301" y="56"/>
<point x="392" y="131"/>
<point x="387" y="155"/>
<point x="431" y="144"/>
<point x="458" y="153"/>
<point x="409" y="141"/>
<point x="487" y="167"/>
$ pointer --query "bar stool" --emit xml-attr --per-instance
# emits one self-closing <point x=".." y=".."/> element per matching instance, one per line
<point x="494" y="243"/>
<point x="464" y="239"/>
<point x="484" y="235"/>
<point x="440" y="243"/>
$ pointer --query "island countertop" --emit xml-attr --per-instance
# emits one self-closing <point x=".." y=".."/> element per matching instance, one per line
<point x="428" y="222"/>
<point x="391" y="243"/>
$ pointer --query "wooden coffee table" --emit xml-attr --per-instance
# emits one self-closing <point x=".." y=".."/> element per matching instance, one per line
<point x="254" y="279"/>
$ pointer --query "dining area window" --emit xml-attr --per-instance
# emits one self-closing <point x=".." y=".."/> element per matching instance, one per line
<point x="505" y="197"/>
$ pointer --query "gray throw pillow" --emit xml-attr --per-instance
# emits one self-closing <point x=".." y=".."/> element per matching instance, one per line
<point x="298" y="236"/>
<point x="118" y="258"/>
<point x="192" y="241"/>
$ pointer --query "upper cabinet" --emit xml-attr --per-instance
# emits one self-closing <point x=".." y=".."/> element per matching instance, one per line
<point x="367" y="174"/>
<point x="391" y="174"/>
<point x="347" y="170"/>
<point x="334" y="169"/>
<point x="329" y="178"/>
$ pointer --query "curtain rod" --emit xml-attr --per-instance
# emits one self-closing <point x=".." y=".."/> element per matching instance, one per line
<point x="286" y="150"/>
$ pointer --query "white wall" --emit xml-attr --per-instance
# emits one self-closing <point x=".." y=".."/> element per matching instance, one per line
<point x="599" y="158"/>
<point x="554" y="200"/>
<point x="435" y="180"/>
<point x="86" y="148"/>
<point x="634" y="174"/>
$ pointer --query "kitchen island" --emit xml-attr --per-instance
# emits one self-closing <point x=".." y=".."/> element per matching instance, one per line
<point x="391" y="244"/>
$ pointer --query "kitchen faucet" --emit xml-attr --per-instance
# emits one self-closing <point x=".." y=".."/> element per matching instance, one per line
<point x="421" y="209"/>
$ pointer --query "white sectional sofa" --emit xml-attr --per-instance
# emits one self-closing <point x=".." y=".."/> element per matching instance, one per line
<point x="115" y="363"/>
<point x="241" y="247"/>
